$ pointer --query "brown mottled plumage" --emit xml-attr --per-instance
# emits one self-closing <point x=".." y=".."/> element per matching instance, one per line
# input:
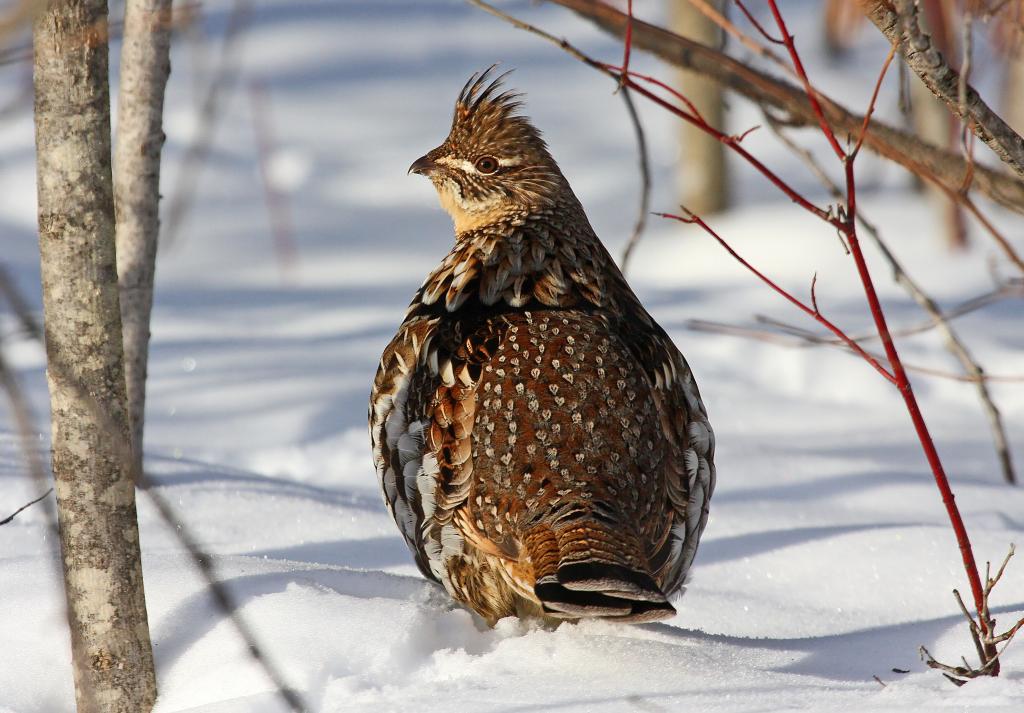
<point x="540" y="441"/>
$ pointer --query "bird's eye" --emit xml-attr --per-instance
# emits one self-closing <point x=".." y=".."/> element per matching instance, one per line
<point x="487" y="164"/>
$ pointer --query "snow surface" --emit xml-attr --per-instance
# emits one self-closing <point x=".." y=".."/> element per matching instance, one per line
<point x="827" y="560"/>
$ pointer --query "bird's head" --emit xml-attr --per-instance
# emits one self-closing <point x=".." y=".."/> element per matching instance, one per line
<point x="494" y="162"/>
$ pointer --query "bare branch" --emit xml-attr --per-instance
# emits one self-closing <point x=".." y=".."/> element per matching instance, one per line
<point x="26" y="506"/>
<point x="903" y="28"/>
<point x="180" y="200"/>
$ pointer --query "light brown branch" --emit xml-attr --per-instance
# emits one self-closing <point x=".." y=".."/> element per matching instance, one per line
<point x="709" y="11"/>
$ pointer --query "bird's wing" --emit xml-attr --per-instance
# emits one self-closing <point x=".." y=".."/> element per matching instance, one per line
<point x="422" y="410"/>
<point x="690" y="477"/>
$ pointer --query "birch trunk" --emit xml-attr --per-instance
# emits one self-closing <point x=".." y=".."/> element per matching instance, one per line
<point x="145" y="65"/>
<point x="704" y="185"/>
<point x="113" y="658"/>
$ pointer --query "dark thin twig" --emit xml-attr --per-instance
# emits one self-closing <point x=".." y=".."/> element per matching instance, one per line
<point x="222" y="597"/>
<point x="645" y="181"/>
<point x="872" y="103"/>
<point x="954" y="344"/>
<point x="24" y="507"/>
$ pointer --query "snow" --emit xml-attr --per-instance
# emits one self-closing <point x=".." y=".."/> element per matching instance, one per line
<point x="828" y="558"/>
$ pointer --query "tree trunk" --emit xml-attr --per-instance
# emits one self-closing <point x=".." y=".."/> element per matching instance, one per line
<point x="704" y="186"/>
<point x="145" y="65"/>
<point x="113" y="658"/>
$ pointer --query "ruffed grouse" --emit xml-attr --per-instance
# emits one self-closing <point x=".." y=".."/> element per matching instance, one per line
<point x="540" y="441"/>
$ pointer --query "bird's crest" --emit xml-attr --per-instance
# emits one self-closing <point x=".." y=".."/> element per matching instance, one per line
<point x="487" y="115"/>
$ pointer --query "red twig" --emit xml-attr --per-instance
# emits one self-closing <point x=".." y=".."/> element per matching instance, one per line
<point x="809" y="311"/>
<point x="798" y="65"/>
<point x="729" y="140"/>
<point x="661" y="85"/>
<point x="758" y="25"/>
<point x="849" y="230"/>
<point x="871" y="104"/>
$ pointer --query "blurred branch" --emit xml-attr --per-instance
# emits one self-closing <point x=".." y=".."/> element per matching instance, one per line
<point x="183" y="14"/>
<point x="793" y="336"/>
<point x="19" y="17"/>
<point x="943" y="167"/>
<point x="1010" y="290"/>
<point x="186" y="183"/>
<point x="276" y="200"/>
<point x="19" y="306"/>
<point x="645" y="181"/>
<point x="145" y="66"/>
<point x="899" y="22"/>
<point x="22" y="413"/>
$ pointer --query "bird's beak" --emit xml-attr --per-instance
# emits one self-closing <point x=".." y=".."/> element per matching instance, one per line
<point x="423" y="166"/>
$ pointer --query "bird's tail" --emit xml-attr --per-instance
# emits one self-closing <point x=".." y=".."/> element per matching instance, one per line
<point x="586" y="570"/>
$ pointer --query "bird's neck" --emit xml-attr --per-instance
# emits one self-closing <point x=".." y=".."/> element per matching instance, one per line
<point x="525" y="258"/>
<point x="467" y="221"/>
